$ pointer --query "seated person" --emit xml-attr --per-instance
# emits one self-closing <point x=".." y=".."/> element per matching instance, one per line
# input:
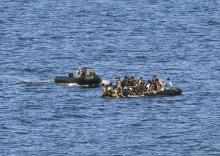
<point x="168" y="84"/>
<point x="78" y="72"/>
<point x="107" y="90"/>
<point x="118" y="91"/>
<point x="147" y="85"/>
<point x="118" y="81"/>
<point x="125" y="82"/>
<point x="159" y="84"/>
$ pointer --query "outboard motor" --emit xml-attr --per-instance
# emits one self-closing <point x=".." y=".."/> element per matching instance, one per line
<point x="70" y="75"/>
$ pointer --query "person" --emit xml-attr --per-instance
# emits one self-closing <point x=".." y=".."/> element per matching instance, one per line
<point x="130" y="91"/>
<point x="118" y="91"/>
<point x="141" y="81"/>
<point x="114" y="91"/>
<point x="147" y="85"/>
<point x="140" y="85"/>
<point x="125" y="91"/>
<point x="158" y="84"/>
<point x="161" y="84"/>
<point x="154" y="84"/>
<point x="78" y="72"/>
<point x="118" y="81"/>
<point x="125" y="82"/>
<point x="107" y="90"/>
<point x="91" y="73"/>
<point x="168" y="83"/>
<point x="82" y="71"/>
<point x="154" y="78"/>
<point x="132" y="81"/>
<point x="88" y="72"/>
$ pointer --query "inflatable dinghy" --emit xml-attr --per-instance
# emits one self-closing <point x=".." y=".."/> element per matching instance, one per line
<point x="83" y="77"/>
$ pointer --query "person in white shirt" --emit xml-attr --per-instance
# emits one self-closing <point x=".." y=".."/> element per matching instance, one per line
<point x="168" y="83"/>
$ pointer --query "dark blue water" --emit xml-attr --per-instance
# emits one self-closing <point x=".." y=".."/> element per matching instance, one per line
<point x="42" y="39"/>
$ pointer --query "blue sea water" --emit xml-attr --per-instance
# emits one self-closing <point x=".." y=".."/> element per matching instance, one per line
<point x="42" y="39"/>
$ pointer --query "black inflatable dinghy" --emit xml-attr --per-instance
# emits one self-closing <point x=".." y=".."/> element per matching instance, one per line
<point x="85" y="76"/>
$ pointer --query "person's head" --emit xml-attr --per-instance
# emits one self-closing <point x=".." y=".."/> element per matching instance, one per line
<point x="141" y="78"/>
<point x="117" y="78"/>
<point x="157" y="79"/>
<point x="168" y="79"/>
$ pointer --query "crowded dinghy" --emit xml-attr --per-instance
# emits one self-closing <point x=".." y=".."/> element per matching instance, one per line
<point x="130" y="87"/>
<point x="83" y="76"/>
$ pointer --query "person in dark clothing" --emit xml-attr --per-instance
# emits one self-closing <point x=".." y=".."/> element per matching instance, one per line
<point x="132" y="81"/>
<point x="125" y="82"/>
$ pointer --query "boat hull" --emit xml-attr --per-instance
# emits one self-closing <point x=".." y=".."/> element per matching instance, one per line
<point x="165" y="92"/>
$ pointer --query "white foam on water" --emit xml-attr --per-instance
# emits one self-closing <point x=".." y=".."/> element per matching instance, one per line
<point x="72" y="84"/>
<point x="76" y="84"/>
<point x="105" y="82"/>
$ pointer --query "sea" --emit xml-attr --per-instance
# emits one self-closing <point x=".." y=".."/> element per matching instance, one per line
<point x="42" y="39"/>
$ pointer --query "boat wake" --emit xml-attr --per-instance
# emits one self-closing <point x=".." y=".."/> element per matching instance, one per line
<point x="88" y="86"/>
<point x="37" y="81"/>
<point x="52" y="81"/>
<point x="83" y="86"/>
<point x="74" y="84"/>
